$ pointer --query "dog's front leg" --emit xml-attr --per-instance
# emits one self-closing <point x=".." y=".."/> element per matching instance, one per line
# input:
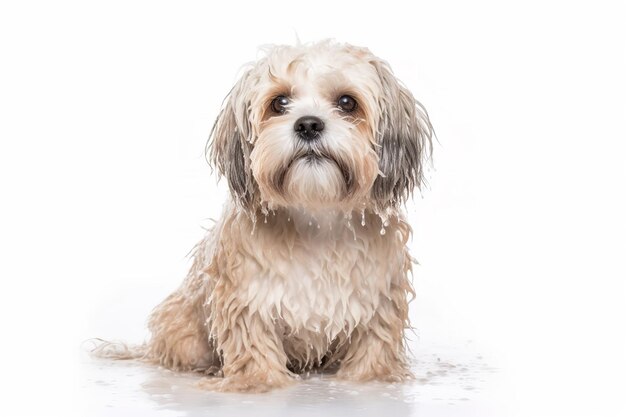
<point x="253" y="355"/>
<point x="376" y="350"/>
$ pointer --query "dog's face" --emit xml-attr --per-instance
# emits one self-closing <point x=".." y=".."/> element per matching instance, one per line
<point x="320" y="126"/>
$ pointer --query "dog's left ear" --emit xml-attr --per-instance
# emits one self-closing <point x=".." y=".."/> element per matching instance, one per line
<point x="229" y="145"/>
<point x="404" y="141"/>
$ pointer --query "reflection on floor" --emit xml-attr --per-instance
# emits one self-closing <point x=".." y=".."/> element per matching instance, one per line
<point x="448" y="382"/>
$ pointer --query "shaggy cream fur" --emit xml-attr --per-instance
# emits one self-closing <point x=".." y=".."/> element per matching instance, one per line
<point x="308" y="266"/>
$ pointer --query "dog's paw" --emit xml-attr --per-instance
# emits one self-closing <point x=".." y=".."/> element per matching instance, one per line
<point x="396" y="374"/>
<point x="245" y="383"/>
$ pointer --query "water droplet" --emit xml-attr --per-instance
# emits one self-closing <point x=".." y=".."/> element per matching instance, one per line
<point x="363" y="217"/>
<point x="383" y="231"/>
<point x="310" y="223"/>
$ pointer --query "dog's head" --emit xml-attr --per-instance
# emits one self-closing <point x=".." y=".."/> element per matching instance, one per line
<point x="320" y="126"/>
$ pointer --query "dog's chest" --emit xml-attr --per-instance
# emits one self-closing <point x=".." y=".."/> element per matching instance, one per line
<point x="326" y="283"/>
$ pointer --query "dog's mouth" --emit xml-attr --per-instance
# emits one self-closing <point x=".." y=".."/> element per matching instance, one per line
<point x="316" y="156"/>
<point x="311" y="158"/>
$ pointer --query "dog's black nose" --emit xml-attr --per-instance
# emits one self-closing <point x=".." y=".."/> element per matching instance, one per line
<point x="309" y="127"/>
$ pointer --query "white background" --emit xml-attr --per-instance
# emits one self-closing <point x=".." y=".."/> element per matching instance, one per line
<point x="105" y="108"/>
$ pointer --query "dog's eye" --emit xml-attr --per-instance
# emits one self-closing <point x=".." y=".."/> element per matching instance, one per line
<point x="347" y="103"/>
<point x="279" y="104"/>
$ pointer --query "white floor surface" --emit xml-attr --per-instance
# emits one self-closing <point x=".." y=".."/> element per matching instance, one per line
<point x="449" y="382"/>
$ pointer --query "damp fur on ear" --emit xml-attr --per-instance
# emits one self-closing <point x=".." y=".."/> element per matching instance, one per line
<point x="230" y="143"/>
<point x="404" y="141"/>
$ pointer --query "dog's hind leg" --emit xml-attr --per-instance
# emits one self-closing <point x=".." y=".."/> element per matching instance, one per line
<point x="180" y="338"/>
<point x="179" y="335"/>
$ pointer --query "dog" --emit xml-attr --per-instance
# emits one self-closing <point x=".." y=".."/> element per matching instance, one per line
<point x="308" y="266"/>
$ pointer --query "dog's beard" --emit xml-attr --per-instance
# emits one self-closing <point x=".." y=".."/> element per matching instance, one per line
<point x="314" y="176"/>
<point x="310" y="175"/>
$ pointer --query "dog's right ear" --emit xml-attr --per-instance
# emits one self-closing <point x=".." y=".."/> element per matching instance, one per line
<point x="229" y="145"/>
